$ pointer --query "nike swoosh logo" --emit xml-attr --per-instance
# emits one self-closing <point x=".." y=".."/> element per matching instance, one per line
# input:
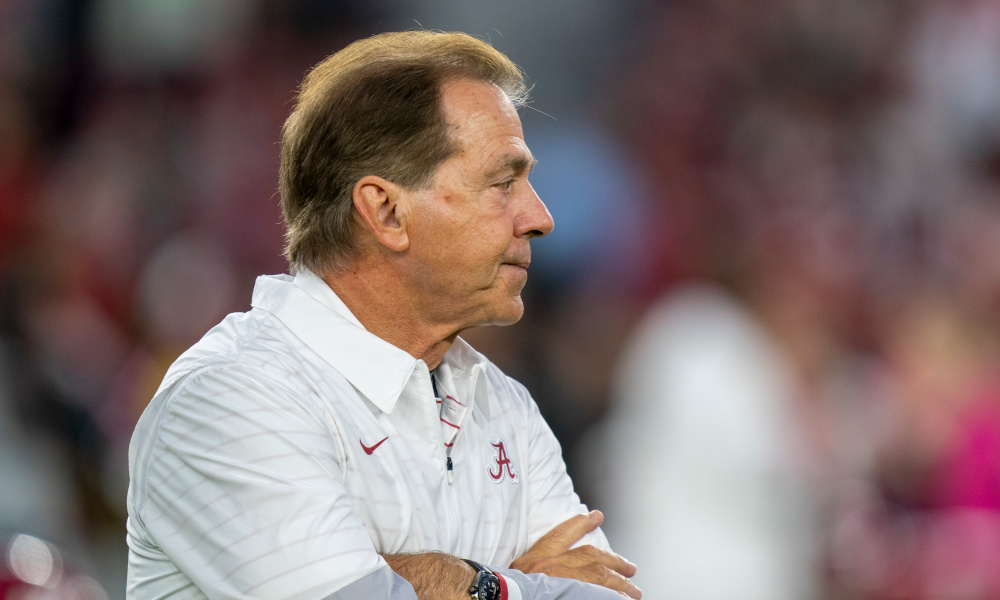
<point x="369" y="450"/>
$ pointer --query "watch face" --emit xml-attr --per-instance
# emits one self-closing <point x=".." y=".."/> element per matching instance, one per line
<point x="490" y="588"/>
<point x="487" y="587"/>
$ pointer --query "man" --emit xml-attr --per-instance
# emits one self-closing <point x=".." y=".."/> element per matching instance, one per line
<point x="339" y="440"/>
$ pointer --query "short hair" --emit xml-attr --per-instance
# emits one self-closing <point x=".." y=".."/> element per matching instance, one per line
<point x="372" y="108"/>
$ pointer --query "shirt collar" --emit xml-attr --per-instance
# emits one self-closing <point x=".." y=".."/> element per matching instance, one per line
<point x="317" y="316"/>
<point x="313" y="285"/>
<point x="462" y="372"/>
<point x="313" y="312"/>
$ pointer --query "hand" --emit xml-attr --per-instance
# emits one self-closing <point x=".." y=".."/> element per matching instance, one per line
<point x="552" y="556"/>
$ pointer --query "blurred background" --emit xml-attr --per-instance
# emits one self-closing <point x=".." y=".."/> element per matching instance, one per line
<point x="765" y="328"/>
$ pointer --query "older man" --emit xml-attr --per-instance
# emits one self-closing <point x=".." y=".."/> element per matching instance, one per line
<point x="339" y="440"/>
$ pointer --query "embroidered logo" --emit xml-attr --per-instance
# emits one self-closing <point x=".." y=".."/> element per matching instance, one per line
<point x="369" y="449"/>
<point x="501" y="467"/>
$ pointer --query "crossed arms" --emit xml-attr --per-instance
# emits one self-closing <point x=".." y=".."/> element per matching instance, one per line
<point x="445" y="577"/>
<point x="236" y="492"/>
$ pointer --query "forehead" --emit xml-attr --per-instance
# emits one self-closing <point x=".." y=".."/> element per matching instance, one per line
<point x="481" y="119"/>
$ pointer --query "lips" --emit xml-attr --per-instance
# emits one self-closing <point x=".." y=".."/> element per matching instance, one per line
<point x="517" y="261"/>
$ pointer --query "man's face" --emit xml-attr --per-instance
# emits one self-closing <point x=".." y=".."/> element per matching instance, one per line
<point x="470" y="227"/>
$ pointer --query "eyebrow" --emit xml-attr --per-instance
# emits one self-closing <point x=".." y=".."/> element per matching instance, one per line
<point x="518" y="163"/>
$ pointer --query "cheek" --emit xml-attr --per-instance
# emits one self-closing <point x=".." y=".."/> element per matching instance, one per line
<point x="462" y="262"/>
<point x="477" y="261"/>
<point x="483" y="244"/>
<point x="470" y="250"/>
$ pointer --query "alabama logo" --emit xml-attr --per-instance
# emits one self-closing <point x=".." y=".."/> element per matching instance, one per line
<point x="501" y="467"/>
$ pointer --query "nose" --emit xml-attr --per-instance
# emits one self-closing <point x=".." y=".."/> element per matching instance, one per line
<point x="533" y="219"/>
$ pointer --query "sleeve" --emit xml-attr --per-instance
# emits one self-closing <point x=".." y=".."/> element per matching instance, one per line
<point x="515" y="585"/>
<point x="534" y="586"/>
<point x="383" y="583"/>
<point x="240" y="485"/>
<point x="551" y="496"/>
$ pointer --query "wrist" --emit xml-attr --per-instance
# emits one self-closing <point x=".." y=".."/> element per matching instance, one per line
<point x="486" y="585"/>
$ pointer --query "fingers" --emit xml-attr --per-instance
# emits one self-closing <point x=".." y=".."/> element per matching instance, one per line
<point x="567" y="533"/>
<point x="585" y="556"/>
<point x="589" y="564"/>
<point x="605" y="577"/>
<point x="600" y="574"/>
<point x="552" y="555"/>
<point x="621" y="584"/>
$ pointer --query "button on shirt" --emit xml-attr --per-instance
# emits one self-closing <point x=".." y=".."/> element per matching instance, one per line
<point x="290" y="447"/>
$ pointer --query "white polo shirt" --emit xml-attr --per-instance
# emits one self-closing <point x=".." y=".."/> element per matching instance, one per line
<point x="289" y="447"/>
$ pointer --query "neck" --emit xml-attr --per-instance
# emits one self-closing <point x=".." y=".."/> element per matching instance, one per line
<point x="372" y="294"/>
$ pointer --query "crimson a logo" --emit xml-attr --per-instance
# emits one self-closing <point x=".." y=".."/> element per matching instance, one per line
<point x="501" y="468"/>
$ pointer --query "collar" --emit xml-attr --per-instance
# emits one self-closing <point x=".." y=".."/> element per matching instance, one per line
<point x="380" y="371"/>
<point x="462" y="372"/>
<point x="314" y="285"/>
<point x="314" y="313"/>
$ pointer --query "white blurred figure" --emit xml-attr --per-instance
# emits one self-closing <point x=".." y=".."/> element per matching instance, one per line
<point x="705" y="475"/>
<point x="740" y="418"/>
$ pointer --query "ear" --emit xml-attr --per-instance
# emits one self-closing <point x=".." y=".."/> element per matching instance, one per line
<point x="384" y="208"/>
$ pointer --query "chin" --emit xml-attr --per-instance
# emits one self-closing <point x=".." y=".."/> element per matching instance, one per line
<point x="509" y="314"/>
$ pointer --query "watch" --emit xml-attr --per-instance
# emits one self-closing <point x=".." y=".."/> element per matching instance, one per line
<point x="486" y="585"/>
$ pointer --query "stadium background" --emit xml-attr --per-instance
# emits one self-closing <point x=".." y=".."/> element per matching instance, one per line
<point x="833" y="167"/>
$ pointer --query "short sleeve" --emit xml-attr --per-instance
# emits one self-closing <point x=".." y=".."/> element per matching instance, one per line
<point x="239" y="482"/>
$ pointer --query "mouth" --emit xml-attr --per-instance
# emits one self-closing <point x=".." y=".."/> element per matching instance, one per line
<point x="520" y="258"/>
<point x="520" y="264"/>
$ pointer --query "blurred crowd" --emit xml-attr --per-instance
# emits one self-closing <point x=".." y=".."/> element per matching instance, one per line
<point x="811" y="407"/>
<point x="766" y="328"/>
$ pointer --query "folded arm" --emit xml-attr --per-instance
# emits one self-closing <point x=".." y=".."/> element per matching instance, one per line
<point x="237" y="491"/>
<point x="551" y="570"/>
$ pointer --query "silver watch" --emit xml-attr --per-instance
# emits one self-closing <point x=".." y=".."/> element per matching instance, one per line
<point x="486" y="585"/>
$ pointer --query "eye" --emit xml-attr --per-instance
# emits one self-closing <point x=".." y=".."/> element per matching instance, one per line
<point x="505" y="185"/>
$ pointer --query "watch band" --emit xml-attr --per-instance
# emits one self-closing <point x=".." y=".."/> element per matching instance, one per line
<point x="486" y="585"/>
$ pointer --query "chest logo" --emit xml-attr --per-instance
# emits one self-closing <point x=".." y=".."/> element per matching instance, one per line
<point x="369" y="449"/>
<point x="501" y="467"/>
